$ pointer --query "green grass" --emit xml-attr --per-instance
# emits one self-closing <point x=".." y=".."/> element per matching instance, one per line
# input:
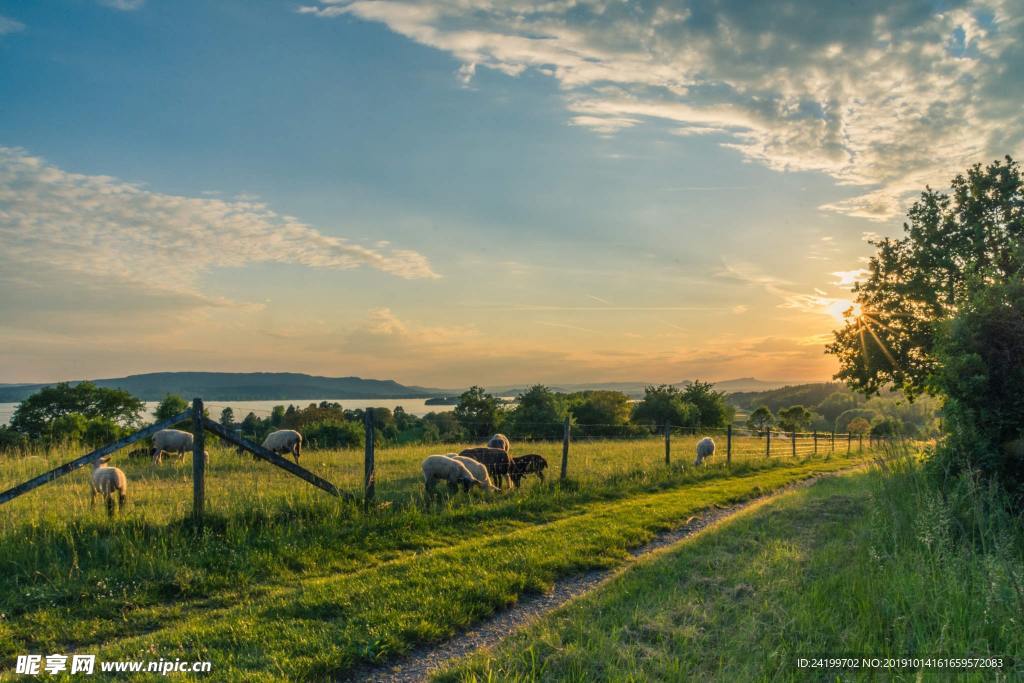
<point x="874" y="564"/>
<point x="285" y="581"/>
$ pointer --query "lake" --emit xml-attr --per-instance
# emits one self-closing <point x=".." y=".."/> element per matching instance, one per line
<point x="413" y="406"/>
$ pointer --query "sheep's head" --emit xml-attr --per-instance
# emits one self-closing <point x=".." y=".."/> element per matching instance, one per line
<point x="100" y="462"/>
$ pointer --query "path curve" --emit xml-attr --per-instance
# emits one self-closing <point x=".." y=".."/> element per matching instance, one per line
<point x="422" y="661"/>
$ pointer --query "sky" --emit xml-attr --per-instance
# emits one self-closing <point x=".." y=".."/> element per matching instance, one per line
<point x="446" y="192"/>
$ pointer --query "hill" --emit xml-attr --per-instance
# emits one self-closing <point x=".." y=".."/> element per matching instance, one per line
<point x="240" y="386"/>
<point x="808" y="395"/>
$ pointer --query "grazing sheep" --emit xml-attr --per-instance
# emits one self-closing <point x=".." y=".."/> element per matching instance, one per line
<point x="497" y="461"/>
<point x="500" y="441"/>
<point x="106" y="480"/>
<point x="171" y="441"/>
<point x="284" y="441"/>
<point x="527" y="464"/>
<point x="478" y="471"/>
<point x="705" y="449"/>
<point x="436" y="467"/>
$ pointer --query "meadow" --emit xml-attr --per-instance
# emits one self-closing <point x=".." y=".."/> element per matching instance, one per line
<point x="871" y="564"/>
<point x="284" y="581"/>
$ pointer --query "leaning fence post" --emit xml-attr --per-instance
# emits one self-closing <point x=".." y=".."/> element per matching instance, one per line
<point x="565" y="449"/>
<point x="768" y="443"/>
<point x="728" y="445"/>
<point x="792" y="438"/>
<point x="198" y="460"/>
<point x="369" y="474"/>
<point x="668" y="443"/>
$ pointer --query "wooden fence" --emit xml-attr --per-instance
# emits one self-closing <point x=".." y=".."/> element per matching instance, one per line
<point x="200" y="425"/>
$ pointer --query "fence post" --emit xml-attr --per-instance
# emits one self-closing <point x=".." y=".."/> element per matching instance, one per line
<point x="792" y="438"/>
<point x="198" y="460"/>
<point x="833" y="441"/>
<point x="849" y="441"/>
<point x="768" y="443"/>
<point x="668" y="443"/>
<point x="369" y="473"/>
<point x="565" y="448"/>
<point x="815" y="442"/>
<point x="860" y="444"/>
<point x="728" y="445"/>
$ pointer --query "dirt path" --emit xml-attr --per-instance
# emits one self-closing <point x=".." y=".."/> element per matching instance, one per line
<point x="418" y="664"/>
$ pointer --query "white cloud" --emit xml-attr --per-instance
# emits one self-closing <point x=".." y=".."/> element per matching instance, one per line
<point x="883" y="96"/>
<point x="847" y="278"/>
<point x="8" y="25"/>
<point x="123" y="5"/>
<point x="97" y="228"/>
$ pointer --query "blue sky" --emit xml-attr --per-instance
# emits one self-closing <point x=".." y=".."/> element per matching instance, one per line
<point x="513" y="193"/>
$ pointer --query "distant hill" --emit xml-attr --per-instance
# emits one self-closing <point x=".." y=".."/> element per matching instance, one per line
<point x="808" y="395"/>
<point x="636" y="389"/>
<point x="241" y="386"/>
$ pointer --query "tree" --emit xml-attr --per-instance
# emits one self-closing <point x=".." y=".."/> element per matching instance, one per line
<point x="858" y="425"/>
<point x="761" y="420"/>
<point x="227" y="417"/>
<point x="277" y="414"/>
<point x="844" y="419"/>
<point x="601" y="412"/>
<point x="714" y="411"/>
<point x="539" y="413"/>
<point x="251" y="426"/>
<point x="663" y="405"/>
<point x="478" y="412"/>
<point x="837" y="403"/>
<point x="36" y="413"/>
<point x="794" y="418"/>
<point x="955" y="245"/>
<point x="170" y="406"/>
<point x="886" y="427"/>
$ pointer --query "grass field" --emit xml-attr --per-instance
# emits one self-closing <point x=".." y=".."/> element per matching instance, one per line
<point x="872" y="565"/>
<point x="285" y="581"/>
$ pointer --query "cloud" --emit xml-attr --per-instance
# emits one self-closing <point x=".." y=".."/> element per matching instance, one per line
<point x="86" y="227"/>
<point x="8" y="25"/>
<point x="123" y="5"/>
<point x="881" y="96"/>
<point x="847" y="278"/>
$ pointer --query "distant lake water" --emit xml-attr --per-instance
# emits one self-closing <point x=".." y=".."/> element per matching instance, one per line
<point x="413" y="406"/>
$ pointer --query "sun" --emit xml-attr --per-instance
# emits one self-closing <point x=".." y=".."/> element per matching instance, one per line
<point x="844" y="309"/>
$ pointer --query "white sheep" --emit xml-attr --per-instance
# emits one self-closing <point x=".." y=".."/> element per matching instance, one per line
<point x="171" y="441"/>
<point x="705" y="449"/>
<point x="284" y="441"/>
<point x="500" y="441"/>
<point x="477" y="469"/>
<point x="105" y="481"/>
<point x="437" y="467"/>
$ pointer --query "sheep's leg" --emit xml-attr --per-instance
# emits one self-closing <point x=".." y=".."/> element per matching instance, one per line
<point x="453" y="488"/>
<point x="540" y="474"/>
<point x="92" y="501"/>
<point x="121" y="498"/>
<point x="110" y="505"/>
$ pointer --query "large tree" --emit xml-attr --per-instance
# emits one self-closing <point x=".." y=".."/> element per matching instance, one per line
<point x="478" y="412"/>
<point x="714" y="411"/>
<point x="36" y="414"/>
<point x="663" y="405"/>
<point x="955" y="245"/>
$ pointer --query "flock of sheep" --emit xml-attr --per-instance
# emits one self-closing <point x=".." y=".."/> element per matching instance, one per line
<point x="481" y="467"/>
<point x="473" y="467"/>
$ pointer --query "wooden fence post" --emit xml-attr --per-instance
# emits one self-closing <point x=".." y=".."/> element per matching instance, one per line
<point x="728" y="446"/>
<point x="860" y="444"/>
<point x="833" y="441"/>
<point x="792" y="438"/>
<point x="369" y="472"/>
<point x="668" y="443"/>
<point x="198" y="460"/>
<point x="768" y="443"/>
<point x="565" y="449"/>
<point x="815" y="442"/>
<point x="849" y="441"/>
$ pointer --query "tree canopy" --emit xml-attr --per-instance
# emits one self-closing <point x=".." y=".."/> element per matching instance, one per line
<point x="663" y="405"/>
<point x="478" y="412"/>
<point x="955" y="245"/>
<point x="36" y="415"/>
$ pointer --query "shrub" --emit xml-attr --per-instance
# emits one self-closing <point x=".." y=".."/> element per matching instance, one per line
<point x="334" y="434"/>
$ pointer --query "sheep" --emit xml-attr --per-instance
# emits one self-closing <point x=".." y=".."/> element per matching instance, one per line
<point x="705" y="449"/>
<point x="171" y="441"/>
<point x="500" y="441"/>
<point x="284" y="441"/>
<point x="478" y="471"/>
<point x="437" y="467"/>
<point x="527" y="464"/>
<point x="106" y="480"/>
<point x="497" y="461"/>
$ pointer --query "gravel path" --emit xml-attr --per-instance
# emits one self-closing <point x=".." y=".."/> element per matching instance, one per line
<point x="418" y="664"/>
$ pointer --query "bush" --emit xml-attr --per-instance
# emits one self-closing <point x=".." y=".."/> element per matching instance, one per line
<point x="334" y="434"/>
<point x="981" y="373"/>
